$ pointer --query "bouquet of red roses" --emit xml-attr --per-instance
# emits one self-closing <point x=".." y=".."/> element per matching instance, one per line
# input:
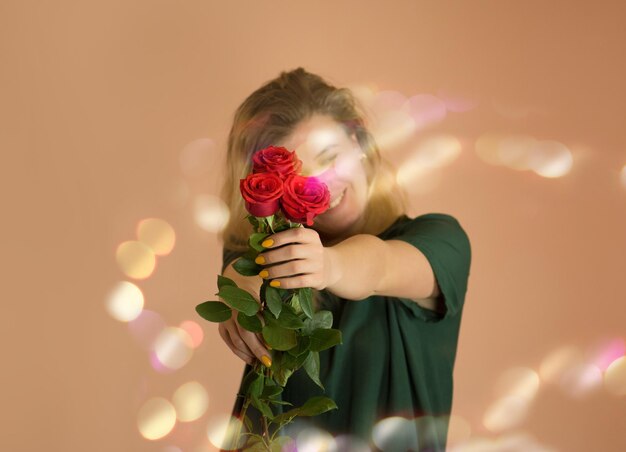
<point x="277" y="198"/>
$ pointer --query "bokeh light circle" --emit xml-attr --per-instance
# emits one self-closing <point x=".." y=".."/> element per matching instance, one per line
<point x="157" y="234"/>
<point x="156" y="418"/>
<point x="615" y="377"/>
<point x="173" y="347"/>
<point x="195" y="332"/>
<point x="135" y="259"/>
<point x="191" y="401"/>
<point x="395" y="433"/>
<point x="125" y="301"/>
<point x="211" y="213"/>
<point x="222" y="432"/>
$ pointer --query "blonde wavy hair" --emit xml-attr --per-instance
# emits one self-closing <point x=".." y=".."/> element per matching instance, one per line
<point x="270" y="114"/>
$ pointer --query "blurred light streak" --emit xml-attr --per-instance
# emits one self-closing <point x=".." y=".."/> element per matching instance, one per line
<point x="393" y="128"/>
<point x="546" y="158"/>
<point x="581" y="379"/>
<point x="557" y="362"/>
<point x="615" y="377"/>
<point x="622" y="176"/>
<point x="431" y="154"/>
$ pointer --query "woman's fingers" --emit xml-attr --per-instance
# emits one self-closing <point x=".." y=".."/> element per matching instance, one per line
<point x="255" y="345"/>
<point x="245" y="344"/>
<point x="238" y="350"/>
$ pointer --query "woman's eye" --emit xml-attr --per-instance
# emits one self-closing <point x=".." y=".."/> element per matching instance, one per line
<point x="327" y="161"/>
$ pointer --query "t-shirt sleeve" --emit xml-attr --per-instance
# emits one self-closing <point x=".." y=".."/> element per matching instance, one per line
<point x="443" y="241"/>
<point x="228" y="256"/>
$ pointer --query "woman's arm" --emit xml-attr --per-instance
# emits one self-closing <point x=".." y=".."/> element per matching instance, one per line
<point x="358" y="267"/>
<point x="366" y="265"/>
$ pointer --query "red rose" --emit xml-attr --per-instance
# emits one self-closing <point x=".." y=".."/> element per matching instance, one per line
<point x="276" y="159"/>
<point x="261" y="193"/>
<point x="304" y="198"/>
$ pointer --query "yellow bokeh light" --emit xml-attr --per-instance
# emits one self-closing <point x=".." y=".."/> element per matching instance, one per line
<point x="173" y="347"/>
<point x="135" y="259"/>
<point x="551" y="159"/>
<point x="519" y="381"/>
<point x="224" y="432"/>
<point x="515" y="151"/>
<point x="125" y="301"/>
<point x="506" y="412"/>
<point x="615" y="377"/>
<point x="211" y="213"/>
<point x="191" y="401"/>
<point x="156" y="418"/>
<point x="432" y="153"/>
<point x="157" y="234"/>
<point x="547" y="158"/>
<point x="557" y="363"/>
<point x="487" y="148"/>
<point x="622" y="176"/>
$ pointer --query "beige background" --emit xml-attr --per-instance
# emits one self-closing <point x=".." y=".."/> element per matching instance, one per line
<point x="98" y="100"/>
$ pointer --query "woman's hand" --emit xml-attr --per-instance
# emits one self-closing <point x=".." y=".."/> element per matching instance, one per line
<point x="296" y="258"/>
<point x="245" y="344"/>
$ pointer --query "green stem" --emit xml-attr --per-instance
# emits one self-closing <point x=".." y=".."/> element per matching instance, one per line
<point x="266" y="433"/>
<point x="243" y="417"/>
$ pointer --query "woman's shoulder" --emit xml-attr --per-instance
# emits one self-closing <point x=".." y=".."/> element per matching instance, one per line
<point x="424" y="220"/>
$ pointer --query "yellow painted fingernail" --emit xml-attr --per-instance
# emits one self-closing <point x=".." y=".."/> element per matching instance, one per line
<point x="275" y="283"/>
<point x="260" y="260"/>
<point x="267" y="243"/>
<point x="266" y="360"/>
<point x="264" y="273"/>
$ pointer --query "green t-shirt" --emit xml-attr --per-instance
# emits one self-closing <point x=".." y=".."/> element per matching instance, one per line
<point x="397" y="358"/>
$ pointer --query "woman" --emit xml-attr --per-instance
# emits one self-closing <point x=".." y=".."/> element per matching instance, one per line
<point x="396" y="285"/>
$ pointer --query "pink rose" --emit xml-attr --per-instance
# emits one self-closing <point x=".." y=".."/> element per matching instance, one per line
<point x="304" y="198"/>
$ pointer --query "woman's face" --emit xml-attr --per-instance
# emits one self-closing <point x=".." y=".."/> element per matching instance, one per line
<point x="335" y="158"/>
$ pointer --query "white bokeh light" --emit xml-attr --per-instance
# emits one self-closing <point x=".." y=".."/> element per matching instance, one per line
<point x="125" y="301"/>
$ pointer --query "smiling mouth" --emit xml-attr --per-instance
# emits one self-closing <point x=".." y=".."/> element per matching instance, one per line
<point x="337" y="200"/>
